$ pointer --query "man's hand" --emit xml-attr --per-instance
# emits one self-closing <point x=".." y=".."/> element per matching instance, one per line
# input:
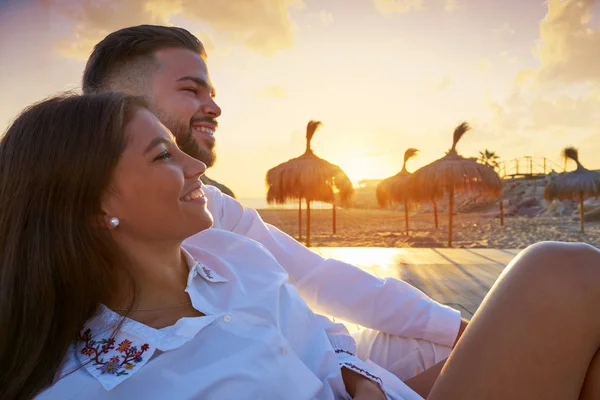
<point x="463" y="325"/>
<point x="360" y="387"/>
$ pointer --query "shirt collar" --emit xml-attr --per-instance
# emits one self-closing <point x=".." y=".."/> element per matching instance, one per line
<point x="112" y="355"/>
<point x="112" y="349"/>
<point x="200" y="269"/>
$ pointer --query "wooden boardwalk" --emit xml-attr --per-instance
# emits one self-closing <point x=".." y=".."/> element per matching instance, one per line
<point x="459" y="278"/>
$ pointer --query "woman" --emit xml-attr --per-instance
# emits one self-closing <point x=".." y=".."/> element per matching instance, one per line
<point x="95" y="201"/>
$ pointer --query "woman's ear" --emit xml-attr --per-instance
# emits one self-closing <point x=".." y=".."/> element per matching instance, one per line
<point x="107" y="222"/>
<point x="107" y="218"/>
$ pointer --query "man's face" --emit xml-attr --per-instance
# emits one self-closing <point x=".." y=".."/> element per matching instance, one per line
<point x="182" y="96"/>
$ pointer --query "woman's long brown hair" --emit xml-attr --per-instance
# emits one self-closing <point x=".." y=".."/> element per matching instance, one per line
<point x="56" y="261"/>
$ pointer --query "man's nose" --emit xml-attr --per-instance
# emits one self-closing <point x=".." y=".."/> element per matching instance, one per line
<point x="211" y="108"/>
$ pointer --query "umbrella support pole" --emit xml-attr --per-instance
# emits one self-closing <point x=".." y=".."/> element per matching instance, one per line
<point x="334" y="221"/>
<point x="501" y="212"/>
<point x="581" y="211"/>
<point x="300" y="219"/>
<point x="435" y="214"/>
<point x="450" y="216"/>
<point x="406" y="216"/>
<point x="307" y="223"/>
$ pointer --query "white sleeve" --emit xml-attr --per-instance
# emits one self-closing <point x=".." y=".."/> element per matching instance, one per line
<point x="345" y="349"/>
<point x="336" y="288"/>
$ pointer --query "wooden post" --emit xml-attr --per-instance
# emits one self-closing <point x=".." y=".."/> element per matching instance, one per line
<point x="450" y="216"/>
<point x="501" y="212"/>
<point x="530" y="166"/>
<point x="334" y="228"/>
<point x="544" y="165"/>
<point x="581" y="211"/>
<point x="435" y="216"/>
<point x="307" y="223"/>
<point x="406" y="215"/>
<point x="300" y="219"/>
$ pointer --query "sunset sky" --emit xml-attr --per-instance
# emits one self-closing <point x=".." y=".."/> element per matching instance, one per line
<point x="382" y="75"/>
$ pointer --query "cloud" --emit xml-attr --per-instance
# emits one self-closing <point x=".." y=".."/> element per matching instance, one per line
<point x="562" y="92"/>
<point x="483" y="65"/>
<point x="526" y="111"/>
<point x="263" y="26"/>
<point x="568" y="49"/>
<point x="444" y="83"/>
<point x="505" y="30"/>
<point x="271" y="92"/>
<point x="326" y="17"/>
<point x="389" y="7"/>
<point x="451" y="5"/>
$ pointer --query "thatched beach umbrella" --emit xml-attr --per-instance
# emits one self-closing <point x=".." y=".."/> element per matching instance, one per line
<point x="451" y="174"/>
<point x="308" y="177"/>
<point x="577" y="185"/>
<point x="394" y="190"/>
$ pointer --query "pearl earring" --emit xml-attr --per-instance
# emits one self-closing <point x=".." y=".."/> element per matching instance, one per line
<point x="113" y="222"/>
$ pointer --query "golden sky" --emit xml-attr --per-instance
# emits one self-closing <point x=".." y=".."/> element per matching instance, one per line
<point x="382" y="75"/>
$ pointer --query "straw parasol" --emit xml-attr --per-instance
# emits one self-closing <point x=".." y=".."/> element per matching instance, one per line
<point x="394" y="190"/>
<point x="308" y="177"/>
<point x="454" y="173"/>
<point x="576" y="185"/>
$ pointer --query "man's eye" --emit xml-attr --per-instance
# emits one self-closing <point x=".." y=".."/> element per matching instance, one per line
<point x="192" y="90"/>
<point x="165" y="155"/>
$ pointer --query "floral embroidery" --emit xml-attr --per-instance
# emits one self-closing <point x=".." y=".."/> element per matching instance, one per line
<point x="207" y="272"/>
<point x="118" y="364"/>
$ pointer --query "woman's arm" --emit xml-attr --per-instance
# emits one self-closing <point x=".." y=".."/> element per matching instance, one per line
<point x="360" y="387"/>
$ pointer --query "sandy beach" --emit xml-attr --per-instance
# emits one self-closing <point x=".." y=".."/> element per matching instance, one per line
<point x="382" y="228"/>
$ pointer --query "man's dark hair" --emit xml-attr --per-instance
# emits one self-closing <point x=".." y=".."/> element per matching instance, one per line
<point x="120" y="56"/>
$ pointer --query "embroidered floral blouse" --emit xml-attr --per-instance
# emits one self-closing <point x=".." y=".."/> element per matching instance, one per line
<point x="258" y="340"/>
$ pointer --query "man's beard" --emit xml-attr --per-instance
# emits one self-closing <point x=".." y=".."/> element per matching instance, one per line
<point x="186" y="141"/>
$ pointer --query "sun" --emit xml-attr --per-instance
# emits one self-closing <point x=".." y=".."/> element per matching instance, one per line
<point x="369" y="168"/>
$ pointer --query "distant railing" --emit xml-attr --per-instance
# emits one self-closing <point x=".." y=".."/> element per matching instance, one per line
<point x="528" y="167"/>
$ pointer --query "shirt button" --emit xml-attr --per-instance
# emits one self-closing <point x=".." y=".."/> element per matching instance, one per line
<point x="283" y="350"/>
<point x="227" y="318"/>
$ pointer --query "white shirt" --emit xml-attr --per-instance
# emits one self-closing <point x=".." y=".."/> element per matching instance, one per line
<point x="258" y="340"/>
<point x="332" y="287"/>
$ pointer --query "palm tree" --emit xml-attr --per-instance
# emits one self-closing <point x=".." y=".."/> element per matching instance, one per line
<point x="310" y="178"/>
<point x="489" y="158"/>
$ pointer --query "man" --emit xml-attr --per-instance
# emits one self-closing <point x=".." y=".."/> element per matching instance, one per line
<point x="407" y="331"/>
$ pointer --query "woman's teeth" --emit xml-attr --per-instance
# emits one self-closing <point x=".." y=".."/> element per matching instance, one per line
<point x="194" y="195"/>
<point x="204" y="129"/>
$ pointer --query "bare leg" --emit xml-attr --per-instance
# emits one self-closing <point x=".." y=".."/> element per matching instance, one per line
<point x="536" y="332"/>
<point x="591" y="386"/>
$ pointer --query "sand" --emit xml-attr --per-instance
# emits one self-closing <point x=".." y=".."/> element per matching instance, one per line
<point x="382" y="228"/>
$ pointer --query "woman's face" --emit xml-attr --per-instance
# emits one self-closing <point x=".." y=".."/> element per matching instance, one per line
<point x="155" y="192"/>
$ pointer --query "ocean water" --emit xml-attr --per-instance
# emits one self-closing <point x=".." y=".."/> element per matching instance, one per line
<point x="262" y="204"/>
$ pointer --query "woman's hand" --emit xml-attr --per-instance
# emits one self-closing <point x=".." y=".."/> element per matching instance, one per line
<point x="361" y="387"/>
